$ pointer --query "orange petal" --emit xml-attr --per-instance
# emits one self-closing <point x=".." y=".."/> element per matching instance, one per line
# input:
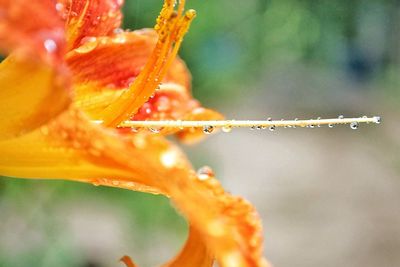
<point x="170" y="102"/>
<point x="87" y="18"/>
<point x="42" y="35"/>
<point x="115" y="62"/>
<point x="73" y="148"/>
<point x="229" y="225"/>
<point x="31" y="94"/>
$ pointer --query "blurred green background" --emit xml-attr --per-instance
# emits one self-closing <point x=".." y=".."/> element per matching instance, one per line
<point x="327" y="197"/>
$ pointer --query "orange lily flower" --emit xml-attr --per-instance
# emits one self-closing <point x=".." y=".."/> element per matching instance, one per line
<point x="70" y="66"/>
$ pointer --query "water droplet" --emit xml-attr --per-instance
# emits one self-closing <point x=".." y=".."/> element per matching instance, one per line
<point x="95" y="183"/>
<point x="118" y="31"/>
<point x="227" y="129"/>
<point x="253" y="127"/>
<point x="119" y="39"/>
<point x="377" y="119"/>
<point x="296" y="119"/>
<point x="269" y="119"/>
<point x="115" y="182"/>
<point x="330" y="125"/>
<point x="208" y="129"/>
<point x="354" y="125"/>
<point x="205" y="173"/>
<point x="155" y="129"/>
<point x="272" y="128"/>
<point x="50" y="45"/>
<point x="312" y="126"/>
<point x="340" y="117"/>
<point x="169" y="158"/>
<point x="59" y="6"/>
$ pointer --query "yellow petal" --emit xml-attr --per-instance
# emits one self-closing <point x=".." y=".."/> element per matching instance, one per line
<point x="31" y="94"/>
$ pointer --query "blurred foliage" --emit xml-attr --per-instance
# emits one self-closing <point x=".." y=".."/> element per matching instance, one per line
<point x="229" y="47"/>
<point x="231" y="44"/>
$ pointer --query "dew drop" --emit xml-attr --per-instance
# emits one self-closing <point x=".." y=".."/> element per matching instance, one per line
<point x="115" y="182"/>
<point x="155" y="129"/>
<point x="169" y="158"/>
<point x="119" y="39"/>
<point x="59" y="6"/>
<point x="312" y="126"/>
<point x="330" y="125"/>
<point x="227" y="129"/>
<point x="294" y="126"/>
<point x="208" y="129"/>
<point x="340" y="117"/>
<point x="253" y="127"/>
<point x="205" y="173"/>
<point x="95" y="183"/>
<point x="272" y="128"/>
<point x="50" y="45"/>
<point x="378" y="119"/>
<point x="118" y="31"/>
<point x="354" y="125"/>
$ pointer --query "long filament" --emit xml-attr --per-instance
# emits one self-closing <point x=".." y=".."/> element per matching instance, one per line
<point x="259" y="124"/>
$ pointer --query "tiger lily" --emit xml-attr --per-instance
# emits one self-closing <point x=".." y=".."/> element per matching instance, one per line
<point x="72" y="78"/>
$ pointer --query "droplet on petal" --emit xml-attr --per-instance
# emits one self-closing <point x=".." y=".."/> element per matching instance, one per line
<point x="169" y="158"/>
<point x="205" y="173"/>
<point x="50" y="45"/>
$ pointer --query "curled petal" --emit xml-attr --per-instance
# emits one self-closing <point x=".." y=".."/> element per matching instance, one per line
<point x="27" y="89"/>
<point x="194" y="253"/>
<point x="43" y="35"/>
<point x="85" y="18"/>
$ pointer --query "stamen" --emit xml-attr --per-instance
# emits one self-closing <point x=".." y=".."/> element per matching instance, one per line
<point x="257" y="124"/>
<point x="171" y="28"/>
